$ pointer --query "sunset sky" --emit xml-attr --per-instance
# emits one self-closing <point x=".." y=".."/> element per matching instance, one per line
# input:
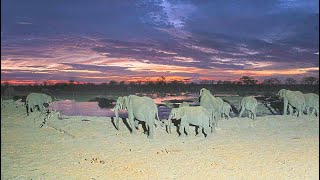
<point x="97" y="41"/>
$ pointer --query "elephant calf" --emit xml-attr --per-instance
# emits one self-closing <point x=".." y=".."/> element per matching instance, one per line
<point x="249" y="103"/>
<point x="37" y="99"/>
<point x="198" y="116"/>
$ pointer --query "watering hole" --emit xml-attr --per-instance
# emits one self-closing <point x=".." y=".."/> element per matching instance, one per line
<point x="165" y="104"/>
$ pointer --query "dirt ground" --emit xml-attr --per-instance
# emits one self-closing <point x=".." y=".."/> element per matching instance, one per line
<point x="270" y="147"/>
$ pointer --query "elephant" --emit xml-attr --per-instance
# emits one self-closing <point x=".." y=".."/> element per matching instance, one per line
<point x="249" y="103"/>
<point x="312" y="101"/>
<point x="292" y="99"/>
<point x="184" y="104"/>
<point x="139" y="109"/>
<point x="226" y="110"/>
<point x="208" y="101"/>
<point x="195" y="115"/>
<point x="37" y="99"/>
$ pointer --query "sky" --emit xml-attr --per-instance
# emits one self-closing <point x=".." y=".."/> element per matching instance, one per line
<point x="138" y="40"/>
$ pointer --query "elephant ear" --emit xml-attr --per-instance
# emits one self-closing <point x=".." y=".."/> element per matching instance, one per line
<point x="201" y="91"/>
<point x="282" y="92"/>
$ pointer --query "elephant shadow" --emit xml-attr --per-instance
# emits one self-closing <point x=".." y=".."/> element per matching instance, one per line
<point x="125" y="122"/>
<point x="176" y="124"/>
<point x="274" y="105"/>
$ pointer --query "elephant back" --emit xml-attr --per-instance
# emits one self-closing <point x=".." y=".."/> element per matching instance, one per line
<point x="311" y="99"/>
<point x="295" y="98"/>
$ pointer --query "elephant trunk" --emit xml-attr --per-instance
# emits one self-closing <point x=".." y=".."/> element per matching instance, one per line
<point x="116" y="112"/>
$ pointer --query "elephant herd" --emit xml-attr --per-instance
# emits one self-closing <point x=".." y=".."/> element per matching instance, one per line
<point x="205" y="116"/>
<point x="298" y="102"/>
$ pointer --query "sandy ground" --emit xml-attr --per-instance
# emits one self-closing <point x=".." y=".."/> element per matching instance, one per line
<point x="270" y="147"/>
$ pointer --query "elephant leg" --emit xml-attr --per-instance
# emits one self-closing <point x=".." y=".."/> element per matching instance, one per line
<point x="285" y="106"/>
<point x="308" y="110"/>
<point x="187" y="128"/>
<point x="212" y="127"/>
<point x="206" y="130"/>
<point x="228" y="116"/>
<point x="253" y="114"/>
<point x="216" y="123"/>
<point x="131" y="119"/>
<point x="290" y="110"/>
<point x="212" y="123"/>
<point x="182" y="127"/>
<point x="241" y="111"/>
<point x="150" y="130"/>
<point x="41" y="107"/>
<point x="117" y="119"/>
<point x="301" y="111"/>
<point x="169" y="126"/>
<point x="28" y="110"/>
<point x="312" y="112"/>
<point x="136" y="124"/>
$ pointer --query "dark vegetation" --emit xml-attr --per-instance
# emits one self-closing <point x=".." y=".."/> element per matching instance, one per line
<point x="103" y="102"/>
<point x="245" y="86"/>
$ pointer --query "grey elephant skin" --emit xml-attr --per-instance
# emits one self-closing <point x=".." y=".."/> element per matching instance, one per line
<point x="184" y="104"/>
<point x="195" y="115"/>
<point x="139" y="109"/>
<point x="292" y="99"/>
<point x="211" y="103"/>
<point x="312" y="101"/>
<point x="251" y="104"/>
<point x="37" y="99"/>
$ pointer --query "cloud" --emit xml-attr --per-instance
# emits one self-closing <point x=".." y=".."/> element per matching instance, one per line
<point x="187" y="39"/>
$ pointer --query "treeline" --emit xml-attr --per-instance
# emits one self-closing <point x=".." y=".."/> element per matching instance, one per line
<point x="245" y="86"/>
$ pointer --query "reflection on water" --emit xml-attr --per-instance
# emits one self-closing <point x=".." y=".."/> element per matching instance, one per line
<point x="73" y="108"/>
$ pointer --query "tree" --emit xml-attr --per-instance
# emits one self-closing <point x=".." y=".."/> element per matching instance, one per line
<point x="122" y="83"/>
<point x="226" y="82"/>
<point x="45" y="83"/>
<point x="71" y="81"/>
<point x="271" y="81"/>
<point x="161" y="81"/>
<point x="219" y="82"/>
<point x="247" y="80"/>
<point x="132" y="83"/>
<point x="290" y="80"/>
<point x="113" y="83"/>
<point x="309" y="80"/>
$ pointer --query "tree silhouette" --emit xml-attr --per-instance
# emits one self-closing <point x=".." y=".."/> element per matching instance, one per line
<point x="272" y="81"/>
<point x="113" y="83"/>
<point x="247" y="80"/>
<point x="309" y="80"/>
<point x="290" y="81"/>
